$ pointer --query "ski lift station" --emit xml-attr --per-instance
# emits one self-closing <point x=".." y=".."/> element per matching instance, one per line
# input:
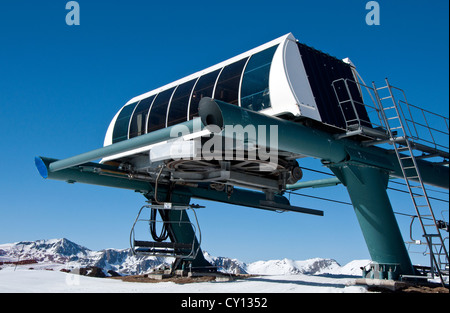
<point x="237" y="133"/>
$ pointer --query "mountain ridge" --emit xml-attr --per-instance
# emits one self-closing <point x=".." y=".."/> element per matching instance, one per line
<point x="63" y="254"/>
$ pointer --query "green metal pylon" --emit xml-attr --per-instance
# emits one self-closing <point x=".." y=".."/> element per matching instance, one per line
<point x="367" y="186"/>
<point x="181" y="230"/>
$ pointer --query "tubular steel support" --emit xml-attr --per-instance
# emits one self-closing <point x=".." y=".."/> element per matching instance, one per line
<point x="92" y="173"/>
<point x="367" y="189"/>
<point x="298" y="138"/>
<point x="143" y="141"/>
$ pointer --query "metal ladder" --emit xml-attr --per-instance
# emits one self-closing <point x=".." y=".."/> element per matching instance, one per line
<point x="404" y="149"/>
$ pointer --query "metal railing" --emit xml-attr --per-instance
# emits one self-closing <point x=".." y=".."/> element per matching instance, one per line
<point x="425" y="130"/>
<point x="424" y="127"/>
<point x="351" y="107"/>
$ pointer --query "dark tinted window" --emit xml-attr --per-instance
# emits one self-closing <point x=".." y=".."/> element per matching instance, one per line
<point x="120" y="131"/>
<point x="203" y="88"/>
<point x="158" y="111"/>
<point x="227" y="88"/>
<point x="179" y="104"/>
<point x="255" y="83"/>
<point x="322" y="70"/>
<point x="139" y="119"/>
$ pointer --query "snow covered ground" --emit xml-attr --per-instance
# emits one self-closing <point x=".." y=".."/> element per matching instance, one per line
<point x="45" y="265"/>
<point x="24" y="280"/>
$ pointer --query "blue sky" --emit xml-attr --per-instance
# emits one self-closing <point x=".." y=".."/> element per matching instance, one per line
<point x="61" y="85"/>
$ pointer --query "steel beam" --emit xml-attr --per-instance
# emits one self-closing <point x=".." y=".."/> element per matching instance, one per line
<point x="109" y="176"/>
<point x="304" y="140"/>
<point x="143" y="141"/>
<point x="327" y="182"/>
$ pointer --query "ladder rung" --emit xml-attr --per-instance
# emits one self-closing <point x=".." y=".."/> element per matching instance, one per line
<point x="422" y="206"/>
<point x="408" y="167"/>
<point x="432" y="235"/>
<point x="392" y="118"/>
<point x="391" y="107"/>
<point x="407" y="157"/>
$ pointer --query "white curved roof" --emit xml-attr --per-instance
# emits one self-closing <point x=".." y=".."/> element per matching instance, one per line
<point x="272" y="80"/>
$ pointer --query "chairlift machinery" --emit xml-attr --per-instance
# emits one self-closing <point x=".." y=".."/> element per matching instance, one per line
<point x="236" y="133"/>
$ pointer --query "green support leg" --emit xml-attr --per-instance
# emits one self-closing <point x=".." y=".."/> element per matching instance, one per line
<point x="184" y="232"/>
<point x="367" y="189"/>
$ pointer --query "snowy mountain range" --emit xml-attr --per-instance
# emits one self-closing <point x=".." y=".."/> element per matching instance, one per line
<point x="63" y="254"/>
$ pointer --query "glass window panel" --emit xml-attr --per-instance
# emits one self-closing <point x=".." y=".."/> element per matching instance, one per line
<point x="227" y="88"/>
<point x="139" y="119"/>
<point x="158" y="111"/>
<point x="120" y="131"/>
<point x="203" y="88"/>
<point x="179" y="104"/>
<point x="255" y="83"/>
